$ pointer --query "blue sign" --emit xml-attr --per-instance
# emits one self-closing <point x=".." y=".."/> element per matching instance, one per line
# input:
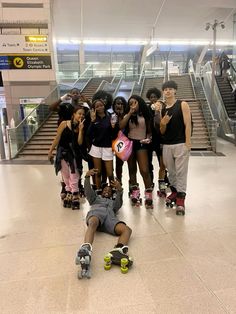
<point x="4" y="63"/>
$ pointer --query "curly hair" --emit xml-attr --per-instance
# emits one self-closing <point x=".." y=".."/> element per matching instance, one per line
<point x="105" y="96"/>
<point x="154" y="91"/>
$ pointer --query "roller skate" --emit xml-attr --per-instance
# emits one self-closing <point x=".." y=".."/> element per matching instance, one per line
<point x="63" y="191"/>
<point x="75" y="204"/>
<point x="83" y="259"/>
<point x="171" y="199"/>
<point x="166" y="179"/>
<point x="162" y="188"/>
<point x="118" y="256"/>
<point x="81" y="189"/>
<point x="135" y="195"/>
<point x="180" y="208"/>
<point x="67" y="200"/>
<point x="148" y="198"/>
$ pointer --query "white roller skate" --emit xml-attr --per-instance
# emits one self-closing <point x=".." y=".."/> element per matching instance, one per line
<point x="148" y="198"/>
<point x="83" y="259"/>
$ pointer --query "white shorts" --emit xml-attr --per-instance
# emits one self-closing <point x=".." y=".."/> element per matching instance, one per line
<point x="105" y="153"/>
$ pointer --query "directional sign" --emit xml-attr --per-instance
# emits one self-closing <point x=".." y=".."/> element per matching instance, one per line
<point x="24" y="44"/>
<point x="25" y="62"/>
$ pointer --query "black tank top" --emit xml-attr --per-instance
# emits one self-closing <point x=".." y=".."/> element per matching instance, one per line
<point x="175" y="129"/>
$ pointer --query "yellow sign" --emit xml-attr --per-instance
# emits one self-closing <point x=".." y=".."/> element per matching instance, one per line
<point x="36" y="39"/>
<point x="18" y="62"/>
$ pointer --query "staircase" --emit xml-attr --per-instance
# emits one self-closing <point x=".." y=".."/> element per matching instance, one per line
<point x="227" y="96"/>
<point x="200" y="138"/>
<point x="38" y="146"/>
<point x="185" y="89"/>
<point x="92" y="86"/>
<point x="150" y="83"/>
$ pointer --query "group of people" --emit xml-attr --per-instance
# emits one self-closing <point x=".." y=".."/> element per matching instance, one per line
<point x="86" y="130"/>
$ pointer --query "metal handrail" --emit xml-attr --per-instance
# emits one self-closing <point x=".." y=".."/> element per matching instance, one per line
<point x="141" y="73"/>
<point x="211" y="122"/>
<point x="118" y="86"/>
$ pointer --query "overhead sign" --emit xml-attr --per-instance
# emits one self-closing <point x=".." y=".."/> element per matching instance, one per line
<point x="25" y="62"/>
<point x="24" y="44"/>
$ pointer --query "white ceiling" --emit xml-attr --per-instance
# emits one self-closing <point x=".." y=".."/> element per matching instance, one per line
<point x="135" y="19"/>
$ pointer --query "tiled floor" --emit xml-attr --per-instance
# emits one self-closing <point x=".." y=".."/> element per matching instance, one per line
<point x="181" y="264"/>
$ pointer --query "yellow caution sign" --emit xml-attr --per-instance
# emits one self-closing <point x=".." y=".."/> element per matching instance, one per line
<point x="18" y="62"/>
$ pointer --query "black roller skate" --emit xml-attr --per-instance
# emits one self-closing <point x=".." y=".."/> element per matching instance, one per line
<point x="75" y="204"/>
<point x="63" y="191"/>
<point x="67" y="200"/>
<point x="83" y="259"/>
<point x="166" y="179"/>
<point x="180" y="208"/>
<point x="148" y="198"/>
<point x="118" y="256"/>
<point x="171" y="199"/>
<point x="162" y="188"/>
<point x="81" y="189"/>
<point x="135" y="195"/>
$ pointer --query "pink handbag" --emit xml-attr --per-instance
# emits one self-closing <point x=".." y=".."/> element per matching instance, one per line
<point x="122" y="146"/>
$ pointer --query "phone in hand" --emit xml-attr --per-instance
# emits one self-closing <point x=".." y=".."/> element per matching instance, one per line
<point x="145" y="141"/>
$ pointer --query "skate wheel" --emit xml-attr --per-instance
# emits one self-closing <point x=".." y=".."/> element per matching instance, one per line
<point x="180" y="212"/>
<point x="107" y="259"/>
<point x="107" y="267"/>
<point x="124" y="270"/>
<point x="124" y="262"/>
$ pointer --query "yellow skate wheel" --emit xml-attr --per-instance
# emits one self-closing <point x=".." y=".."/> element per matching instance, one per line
<point x="124" y="262"/>
<point x="124" y="270"/>
<point x="107" y="266"/>
<point x="107" y="259"/>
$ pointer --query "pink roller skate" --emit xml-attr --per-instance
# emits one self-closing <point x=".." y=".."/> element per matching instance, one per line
<point x="148" y="198"/>
<point x="180" y="208"/>
<point x="135" y="195"/>
<point x="171" y="199"/>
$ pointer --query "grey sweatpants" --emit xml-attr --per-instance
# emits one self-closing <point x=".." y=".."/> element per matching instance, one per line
<point x="175" y="158"/>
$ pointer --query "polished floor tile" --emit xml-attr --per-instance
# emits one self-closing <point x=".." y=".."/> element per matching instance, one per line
<point x="181" y="264"/>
